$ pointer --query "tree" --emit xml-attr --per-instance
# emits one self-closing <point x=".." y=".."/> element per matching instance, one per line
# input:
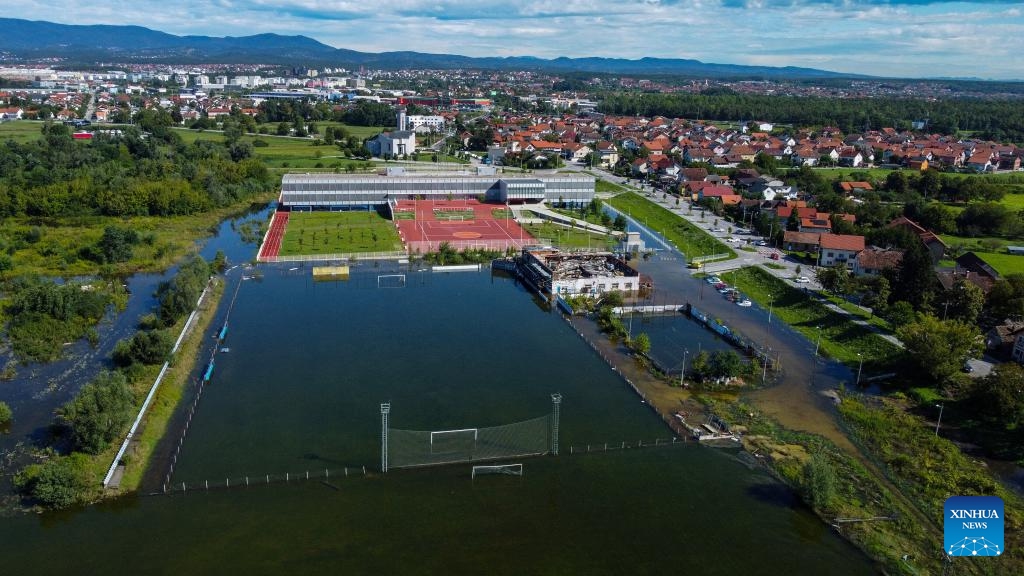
<point x="116" y="244"/>
<point x="836" y="279"/>
<point x="896" y="182"/>
<point x="900" y="313"/>
<point x="100" y="412"/>
<point x="641" y="343"/>
<point x="726" y="364"/>
<point x="1000" y="395"/>
<point x="5" y="414"/>
<point x="965" y="301"/>
<point x="819" y="482"/>
<point x="939" y="348"/>
<point x="146" y="347"/>
<point x="57" y="483"/>
<point x="620" y="222"/>
<point x="1006" y="299"/>
<point x="915" y="280"/>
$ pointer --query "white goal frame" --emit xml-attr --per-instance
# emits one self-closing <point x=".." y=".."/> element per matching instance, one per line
<point x="433" y="434"/>
<point x="398" y="285"/>
<point x="503" y="469"/>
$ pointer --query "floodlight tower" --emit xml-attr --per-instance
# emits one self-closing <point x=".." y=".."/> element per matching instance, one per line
<point x="556" y="405"/>
<point x="385" y="409"/>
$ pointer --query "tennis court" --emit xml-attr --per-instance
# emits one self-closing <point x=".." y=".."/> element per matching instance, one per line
<point x="463" y="224"/>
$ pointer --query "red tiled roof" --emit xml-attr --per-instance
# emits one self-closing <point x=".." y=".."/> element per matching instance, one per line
<point x="842" y="242"/>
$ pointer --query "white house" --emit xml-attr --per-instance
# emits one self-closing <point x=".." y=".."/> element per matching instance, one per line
<point x="13" y="113"/>
<point x="840" y="249"/>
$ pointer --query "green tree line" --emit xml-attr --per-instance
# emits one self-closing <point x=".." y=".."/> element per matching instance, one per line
<point x="1000" y="120"/>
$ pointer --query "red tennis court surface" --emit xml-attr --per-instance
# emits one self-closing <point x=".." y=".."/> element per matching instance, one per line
<point x="272" y="241"/>
<point x="426" y="231"/>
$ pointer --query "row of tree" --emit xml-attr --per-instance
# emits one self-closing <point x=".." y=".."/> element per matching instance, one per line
<point x="102" y="410"/>
<point x="999" y="120"/>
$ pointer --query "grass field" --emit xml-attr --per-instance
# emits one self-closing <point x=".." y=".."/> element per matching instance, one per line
<point x="286" y="152"/>
<point x="57" y="253"/>
<point x="840" y="337"/>
<point x="20" y="130"/>
<point x="691" y="240"/>
<point x="1004" y="263"/>
<point x="501" y="214"/>
<point x="605" y="186"/>
<point x="563" y="237"/>
<point x="338" y="233"/>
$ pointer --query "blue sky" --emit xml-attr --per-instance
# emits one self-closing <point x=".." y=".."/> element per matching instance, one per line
<point x="907" y="38"/>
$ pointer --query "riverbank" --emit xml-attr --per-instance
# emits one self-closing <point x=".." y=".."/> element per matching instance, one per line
<point x="140" y="454"/>
<point x="847" y="490"/>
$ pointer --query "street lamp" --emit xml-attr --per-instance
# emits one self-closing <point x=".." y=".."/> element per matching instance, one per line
<point x="764" y="370"/>
<point x="818" y="343"/>
<point x="860" y="367"/>
<point x="771" y="304"/>
<point x="939" y="423"/>
<point x="683" y="373"/>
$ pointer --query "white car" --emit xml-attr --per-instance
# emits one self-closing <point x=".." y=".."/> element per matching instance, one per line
<point x="762" y="243"/>
<point x="745" y="303"/>
<point x="712" y="279"/>
<point x="802" y="280"/>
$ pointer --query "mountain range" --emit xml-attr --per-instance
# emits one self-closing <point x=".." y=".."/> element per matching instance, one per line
<point x="90" y="44"/>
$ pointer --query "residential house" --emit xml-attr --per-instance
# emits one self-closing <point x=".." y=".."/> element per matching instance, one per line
<point x="608" y="152"/>
<point x="980" y="162"/>
<point x="1006" y="341"/>
<point x="801" y="241"/>
<point x="855" y="187"/>
<point x="839" y="249"/>
<point x="11" y="113"/>
<point x="874" y="260"/>
<point x="936" y="247"/>
<point x="820" y="223"/>
<point x="973" y="263"/>
<point x="851" y="157"/>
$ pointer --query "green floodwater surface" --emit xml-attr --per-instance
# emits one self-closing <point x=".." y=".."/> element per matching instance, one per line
<point x="300" y="389"/>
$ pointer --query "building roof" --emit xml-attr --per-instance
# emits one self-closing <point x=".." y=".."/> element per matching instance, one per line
<point x="842" y="242"/>
<point x="794" y="237"/>
<point x="874" y="258"/>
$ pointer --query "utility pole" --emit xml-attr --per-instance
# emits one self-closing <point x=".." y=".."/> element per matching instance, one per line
<point x="939" y="423"/>
<point x="683" y="373"/>
<point x="859" y="367"/>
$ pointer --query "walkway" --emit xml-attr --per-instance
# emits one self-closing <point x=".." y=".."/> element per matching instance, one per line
<point x="271" y="246"/>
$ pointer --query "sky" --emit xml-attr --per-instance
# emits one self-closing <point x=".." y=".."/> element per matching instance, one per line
<point x="900" y="38"/>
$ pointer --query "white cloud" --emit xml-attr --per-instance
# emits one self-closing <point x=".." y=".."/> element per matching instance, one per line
<point x="883" y="38"/>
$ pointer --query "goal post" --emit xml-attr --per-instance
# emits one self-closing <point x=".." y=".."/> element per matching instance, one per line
<point x="453" y="441"/>
<point x="502" y="469"/>
<point x="390" y="280"/>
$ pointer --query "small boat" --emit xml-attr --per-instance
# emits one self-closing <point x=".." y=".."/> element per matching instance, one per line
<point x="225" y="349"/>
<point x="293" y="269"/>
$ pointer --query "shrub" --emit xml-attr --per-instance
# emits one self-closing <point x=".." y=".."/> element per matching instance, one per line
<point x="100" y="412"/>
<point x="5" y="414"/>
<point x="147" y="347"/>
<point x="57" y="483"/>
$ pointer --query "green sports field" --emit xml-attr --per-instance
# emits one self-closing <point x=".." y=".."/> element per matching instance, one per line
<point x="338" y="233"/>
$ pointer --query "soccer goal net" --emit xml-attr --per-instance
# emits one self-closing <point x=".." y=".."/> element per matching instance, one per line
<point x="408" y="448"/>
<point x="504" y="469"/>
<point x="391" y="281"/>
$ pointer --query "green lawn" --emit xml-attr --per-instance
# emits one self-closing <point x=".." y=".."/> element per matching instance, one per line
<point x="840" y="337"/>
<point x="502" y="214"/>
<point x="287" y="153"/>
<point x="976" y="244"/>
<point x="691" y="240"/>
<point x="605" y="186"/>
<point x="20" y="130"/>
<point x="338" y="233"/>
<point x="590" y="217"/>
<point x="563" y="237"/>
<point x="1004" y="263"/>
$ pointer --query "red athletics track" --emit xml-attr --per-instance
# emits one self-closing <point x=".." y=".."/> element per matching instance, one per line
<point x="272" y="243"/>
<point x="426" y="232"/>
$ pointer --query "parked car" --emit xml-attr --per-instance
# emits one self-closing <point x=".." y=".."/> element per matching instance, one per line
<point x="802" y="280"/>
<point x="713" y="280"/>
<point x="762" y="243"/>
<point x="775" y="256"/>
<point x="720" y="285"/>
<point x="744" y="302"/>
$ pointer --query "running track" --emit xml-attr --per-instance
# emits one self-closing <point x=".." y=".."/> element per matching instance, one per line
<point x="272" y="243"/>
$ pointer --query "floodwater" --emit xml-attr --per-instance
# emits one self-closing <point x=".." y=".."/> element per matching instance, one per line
<point x="300" y="389"/>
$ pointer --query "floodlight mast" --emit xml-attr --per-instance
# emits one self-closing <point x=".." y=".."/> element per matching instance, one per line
<point x="556" y="404"/>
<point x="385" y="409"/>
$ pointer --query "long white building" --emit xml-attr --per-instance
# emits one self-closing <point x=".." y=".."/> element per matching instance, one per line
<point x="326" y="191"/>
